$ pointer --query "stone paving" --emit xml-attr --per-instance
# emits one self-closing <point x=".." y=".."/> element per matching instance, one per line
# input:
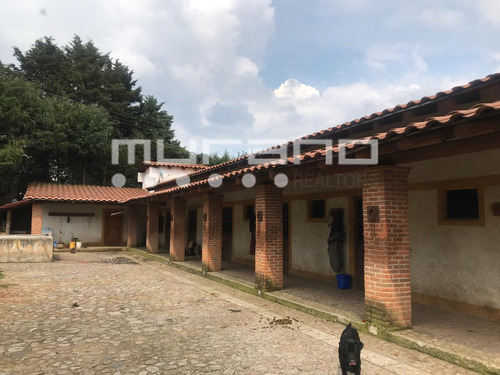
<point x="116" y="313"/>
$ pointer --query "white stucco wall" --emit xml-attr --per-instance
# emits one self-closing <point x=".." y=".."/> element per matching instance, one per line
<point x="309" y="239"/>
<point x="455" y="262"/>
<point x="484" y="163"/>
<point x="86" y="229"/>
<point x="155" y="175"/>
<point x="240" y="195"/>
<point x="452" y="261"/>
<point x="324" y="184"/>
<point x="241" y="236"/>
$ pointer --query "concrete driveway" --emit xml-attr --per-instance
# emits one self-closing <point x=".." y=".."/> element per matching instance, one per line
<point x="118" y="313"/>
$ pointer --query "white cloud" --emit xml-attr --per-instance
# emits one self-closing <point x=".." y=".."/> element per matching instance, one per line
<point x="292" y="88"/>
<point x="496" y="57"/>
<point x="379" y="56"/>
<point x="442" y="18"/>
<point x="205" y="60"/>
<point x="490" y="10"/>
<point x="396" y="57"/>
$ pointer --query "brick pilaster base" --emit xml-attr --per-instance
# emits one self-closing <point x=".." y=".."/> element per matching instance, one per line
<point x="132" y="214"/>
<point x="152" y="227"/>
<point x="269" y="237"/>
<point x="36" y="218"/>
<point x="212" y="232"/>
<point x="387" y="247"/>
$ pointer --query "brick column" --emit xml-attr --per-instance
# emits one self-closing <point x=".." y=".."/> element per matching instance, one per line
<point x="152" y="227"/>
<point x="132" y="213"/>
<point x="269" y="237"/>
<point x="387" y="247"/>
<point x="178" y="235"/>
<point x="212" y="232"/>
<point x="36" y="218"/>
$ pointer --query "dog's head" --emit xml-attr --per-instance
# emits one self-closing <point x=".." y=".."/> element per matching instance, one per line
<point x="353" y="351"/>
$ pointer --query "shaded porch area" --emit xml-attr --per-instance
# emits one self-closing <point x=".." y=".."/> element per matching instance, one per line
<point x="441" y="333"/>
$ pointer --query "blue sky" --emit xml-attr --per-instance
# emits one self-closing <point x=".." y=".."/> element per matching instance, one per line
<point x="257" y="72"/>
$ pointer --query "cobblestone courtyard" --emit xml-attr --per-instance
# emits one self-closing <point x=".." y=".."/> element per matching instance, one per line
<point x="117" y="313"/>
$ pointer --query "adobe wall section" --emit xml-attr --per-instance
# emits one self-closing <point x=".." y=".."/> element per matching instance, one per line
<point x="455" y="262"/>
<point x="25" y="249"/>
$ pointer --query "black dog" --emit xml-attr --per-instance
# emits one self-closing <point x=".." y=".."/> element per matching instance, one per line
<point x="350" y="351"/>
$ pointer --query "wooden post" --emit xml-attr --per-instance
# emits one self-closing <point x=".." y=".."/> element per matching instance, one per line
<point x="9" y="221"/>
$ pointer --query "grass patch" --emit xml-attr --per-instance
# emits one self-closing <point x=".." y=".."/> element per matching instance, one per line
<point x="2" y="276"/>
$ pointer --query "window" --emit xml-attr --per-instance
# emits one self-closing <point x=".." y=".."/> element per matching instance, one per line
<point x="462" y="204"/>
<point x="461" y="207"/>
<point x="317" y="210"/>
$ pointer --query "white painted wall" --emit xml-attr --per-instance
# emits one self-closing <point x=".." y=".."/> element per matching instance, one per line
<point x="240" y="195"/>
<point x="309" y="239"/>
<point x="241" y="236"/>
<point x="155" y="175"/>
<point x="455" y="262"/>
<point x="450" y="261"/>
<point x="323" y="184"/>
<point x="86" y="229"/>
<point x="476" y="164"/>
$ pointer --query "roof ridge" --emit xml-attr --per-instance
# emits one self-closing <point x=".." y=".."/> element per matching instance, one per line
<point x="452" y="116"/>
<point x="78" y="185"/>
<point x="374" y="115"/>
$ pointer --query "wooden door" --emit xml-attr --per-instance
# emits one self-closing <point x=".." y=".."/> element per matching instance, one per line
<point x="113" y="228"/>
<point x="227" y="233"/>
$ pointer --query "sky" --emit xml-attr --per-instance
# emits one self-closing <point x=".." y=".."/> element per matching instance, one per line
<point x="242" y="75"/>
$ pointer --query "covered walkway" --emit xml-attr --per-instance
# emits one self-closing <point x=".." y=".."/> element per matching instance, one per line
<point x="468" y="341"/>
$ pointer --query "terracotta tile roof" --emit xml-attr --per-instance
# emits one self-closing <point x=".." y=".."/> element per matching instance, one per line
<point x="412" y="103"/>
<point x="144" y="165"/>
<point x="42" y="191"/>
<point x="476" y="111"/>
<point x="16" y="204"/>
<point x="323" y="133"/>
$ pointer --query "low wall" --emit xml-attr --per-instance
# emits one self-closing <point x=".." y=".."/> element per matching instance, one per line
<point x="25" y="249"/>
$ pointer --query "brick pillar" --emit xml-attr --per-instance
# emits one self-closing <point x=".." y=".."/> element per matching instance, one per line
<point x="387" y="247"/>
<point x="8" y="222"/>
<point x="133" y="212"/>
<point x="178" y="235"/>
<point x="152" y="227"/>
<point x="269" y="237"/>
<point x="36" y="218"/>
<point x="212" y="232"/>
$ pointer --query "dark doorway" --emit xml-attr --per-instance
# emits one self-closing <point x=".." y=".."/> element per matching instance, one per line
<point x="162" y="232"/>
<point x="191" y="226"/>
<point x="286" y="238"/>
<point x="227" y="233"/>
<point x="359" y="244"/>
<point x="113" y="227"/>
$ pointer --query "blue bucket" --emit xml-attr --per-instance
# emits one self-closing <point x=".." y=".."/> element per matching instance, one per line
<point x="343" y="281"/>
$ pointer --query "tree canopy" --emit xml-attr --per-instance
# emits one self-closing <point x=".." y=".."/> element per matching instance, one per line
<point x="60" y="107"/>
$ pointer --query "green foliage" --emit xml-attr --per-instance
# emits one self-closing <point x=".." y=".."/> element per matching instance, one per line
<point x="60" y="109"/>
<point x="214" y="159"/>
